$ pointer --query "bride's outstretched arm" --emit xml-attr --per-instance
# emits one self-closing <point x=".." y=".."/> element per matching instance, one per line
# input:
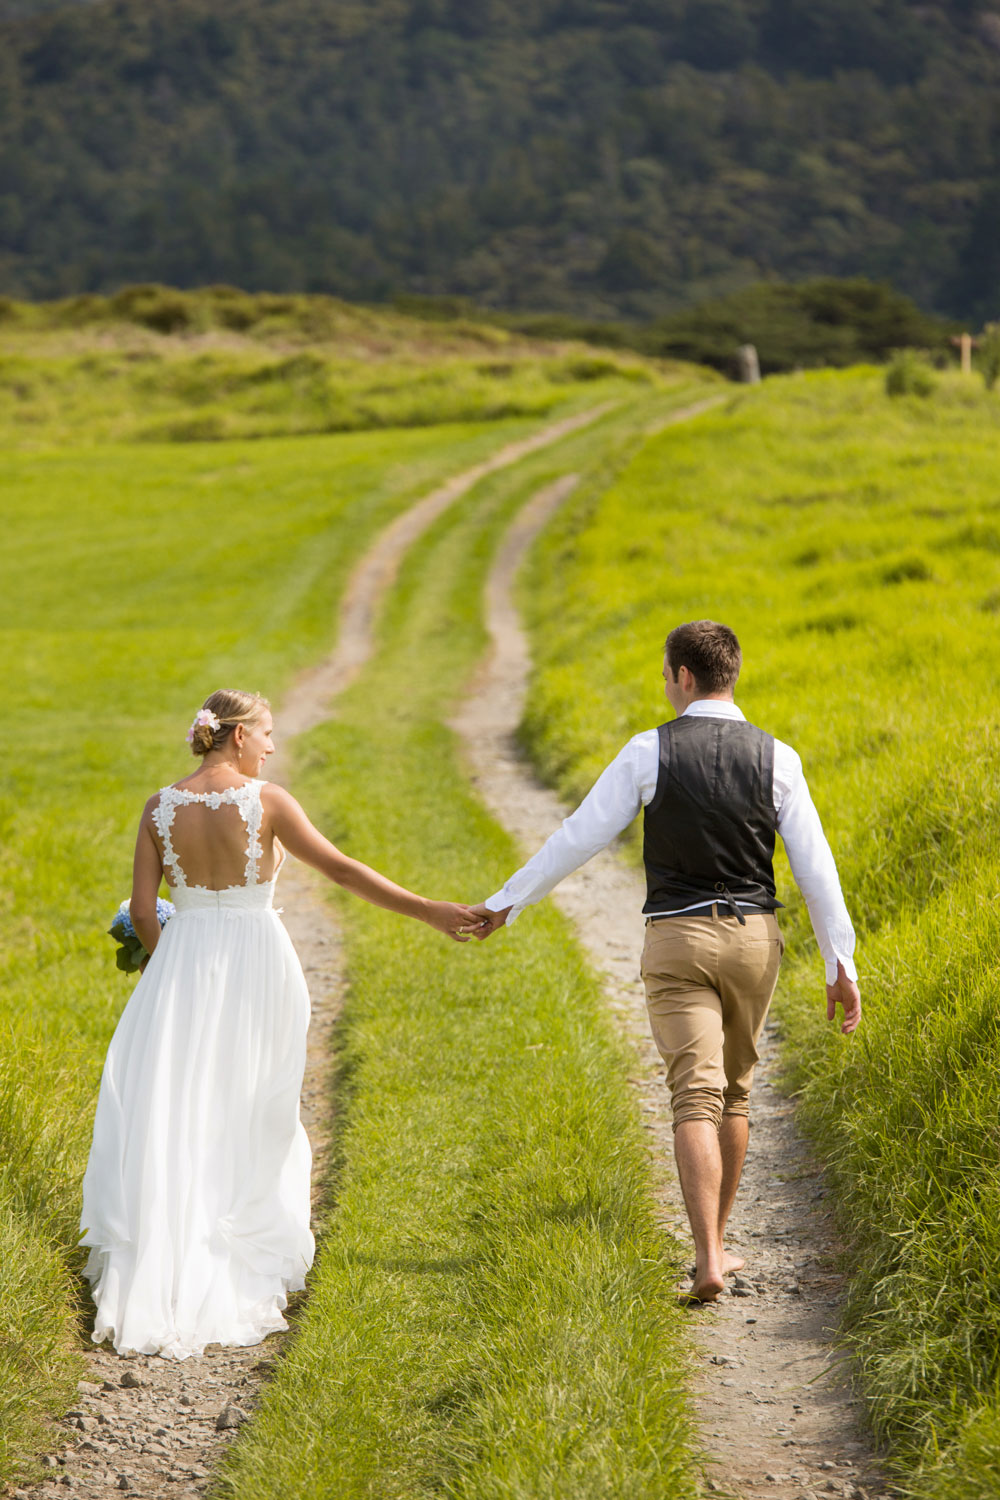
<point x="147" y="872"/>
<point x="300" y="838"/>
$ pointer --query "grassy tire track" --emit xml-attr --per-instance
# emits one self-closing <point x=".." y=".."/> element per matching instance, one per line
<point x="491" y="1313"/>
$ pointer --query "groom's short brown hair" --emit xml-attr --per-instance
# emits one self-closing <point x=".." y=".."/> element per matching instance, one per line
<point x="710" y="652"/>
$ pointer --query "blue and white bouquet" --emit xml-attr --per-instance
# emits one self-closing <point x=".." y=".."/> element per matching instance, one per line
<point x="130" y="951"/>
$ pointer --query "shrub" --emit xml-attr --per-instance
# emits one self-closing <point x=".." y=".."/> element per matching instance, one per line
<point x="829" y="321"/>
<point x="909" y="374"/>
<point x="823" y="322"/>
<point x="167" y="314"/>
<point x="591" y="368"/>
<point x="989" y="354"/>
<point x="157" y="307"/>
<point x="276" y="304"/>
<point x="231" y="308"/>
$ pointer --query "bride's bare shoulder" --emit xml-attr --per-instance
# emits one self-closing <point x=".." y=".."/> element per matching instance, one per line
<point x="283" y="812"/>
<point x="152" y="803"/>
<point x="276" y="800"/>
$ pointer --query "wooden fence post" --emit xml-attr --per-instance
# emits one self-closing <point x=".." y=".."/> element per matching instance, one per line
<point x="966" y="343"/>
<point x="747" y="364"/>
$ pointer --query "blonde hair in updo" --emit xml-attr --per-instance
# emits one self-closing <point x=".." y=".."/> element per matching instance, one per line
<point x="230" y="708"/>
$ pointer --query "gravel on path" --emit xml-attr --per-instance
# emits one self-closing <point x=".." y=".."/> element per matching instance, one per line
<point x="772" y="1391"/>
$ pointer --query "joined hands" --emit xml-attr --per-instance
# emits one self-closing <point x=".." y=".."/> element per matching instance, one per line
<point x="461" y="922"/>
<point x="452" y="918"/>
<point x="487" y="921"/>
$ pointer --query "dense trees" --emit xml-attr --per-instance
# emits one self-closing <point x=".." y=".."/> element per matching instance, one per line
<point x="601" y="157"/>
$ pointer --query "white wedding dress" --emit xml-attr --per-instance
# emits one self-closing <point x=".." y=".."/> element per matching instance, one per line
<point x="196" y="1194"/>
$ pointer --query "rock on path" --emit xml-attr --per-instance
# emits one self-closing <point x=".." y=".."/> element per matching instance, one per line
<point x="776" y="1410"/>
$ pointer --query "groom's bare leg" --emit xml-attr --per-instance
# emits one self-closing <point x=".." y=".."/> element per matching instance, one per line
<point x="733" y="1137"/>
<point x="699" y="1166"/>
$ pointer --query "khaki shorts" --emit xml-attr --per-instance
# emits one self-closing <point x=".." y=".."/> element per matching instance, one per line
<point x="709" y="983"/>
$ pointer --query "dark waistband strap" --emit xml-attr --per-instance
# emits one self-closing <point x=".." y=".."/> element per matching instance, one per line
<point x="721" y="908"/>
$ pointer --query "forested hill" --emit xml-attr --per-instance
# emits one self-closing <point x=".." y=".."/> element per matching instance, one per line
<point x="598" y="156"/>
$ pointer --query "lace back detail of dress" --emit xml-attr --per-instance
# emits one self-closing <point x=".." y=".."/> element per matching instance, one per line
<point x="246" y="800"/>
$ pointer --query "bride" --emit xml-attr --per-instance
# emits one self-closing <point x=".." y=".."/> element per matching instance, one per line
<point x="196" y="1194"/>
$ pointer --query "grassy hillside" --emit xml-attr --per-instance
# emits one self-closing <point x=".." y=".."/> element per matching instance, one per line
<point x="852" y="541"/>
<point x="603" y="157"/>
<point x="153" y="364"/>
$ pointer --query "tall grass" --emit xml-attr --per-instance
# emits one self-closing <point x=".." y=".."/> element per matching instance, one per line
<point x="492" y="1315"/>
<point x="852" y="540"/>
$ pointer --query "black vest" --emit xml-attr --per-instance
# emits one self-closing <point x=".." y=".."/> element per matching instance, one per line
<point x="709" y="830"/>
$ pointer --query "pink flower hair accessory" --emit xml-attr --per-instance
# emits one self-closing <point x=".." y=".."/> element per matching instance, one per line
<point x="204" y="716"/>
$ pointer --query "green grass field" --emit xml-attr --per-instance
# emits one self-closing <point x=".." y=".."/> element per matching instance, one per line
<point x="853" y="542"/>
<point x="489" y="1314"/>
<point x="135" y="578"/>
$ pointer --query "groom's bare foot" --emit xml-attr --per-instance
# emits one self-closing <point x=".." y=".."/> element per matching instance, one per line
<point x="730" y="1263"/>
<point x="707" y="1281"/>
<point x="706" y="1286"/>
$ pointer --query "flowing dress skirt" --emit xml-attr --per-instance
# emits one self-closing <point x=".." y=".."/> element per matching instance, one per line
<point x="196" y="1194"/>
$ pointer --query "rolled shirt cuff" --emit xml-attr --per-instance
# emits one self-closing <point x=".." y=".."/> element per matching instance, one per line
<point x="850" y="969"/>
<point x="499" y="901"/>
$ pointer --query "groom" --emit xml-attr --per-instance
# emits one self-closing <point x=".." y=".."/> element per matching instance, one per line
<point x="715" y="791"/>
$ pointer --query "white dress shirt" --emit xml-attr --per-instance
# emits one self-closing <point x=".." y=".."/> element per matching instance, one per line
<point x="629" y="783"/>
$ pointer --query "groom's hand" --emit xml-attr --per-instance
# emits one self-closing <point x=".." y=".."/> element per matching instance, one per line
<point x="847" y="993"/>
<point x="489" y="921"/>
<point x="452" y="918"/>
